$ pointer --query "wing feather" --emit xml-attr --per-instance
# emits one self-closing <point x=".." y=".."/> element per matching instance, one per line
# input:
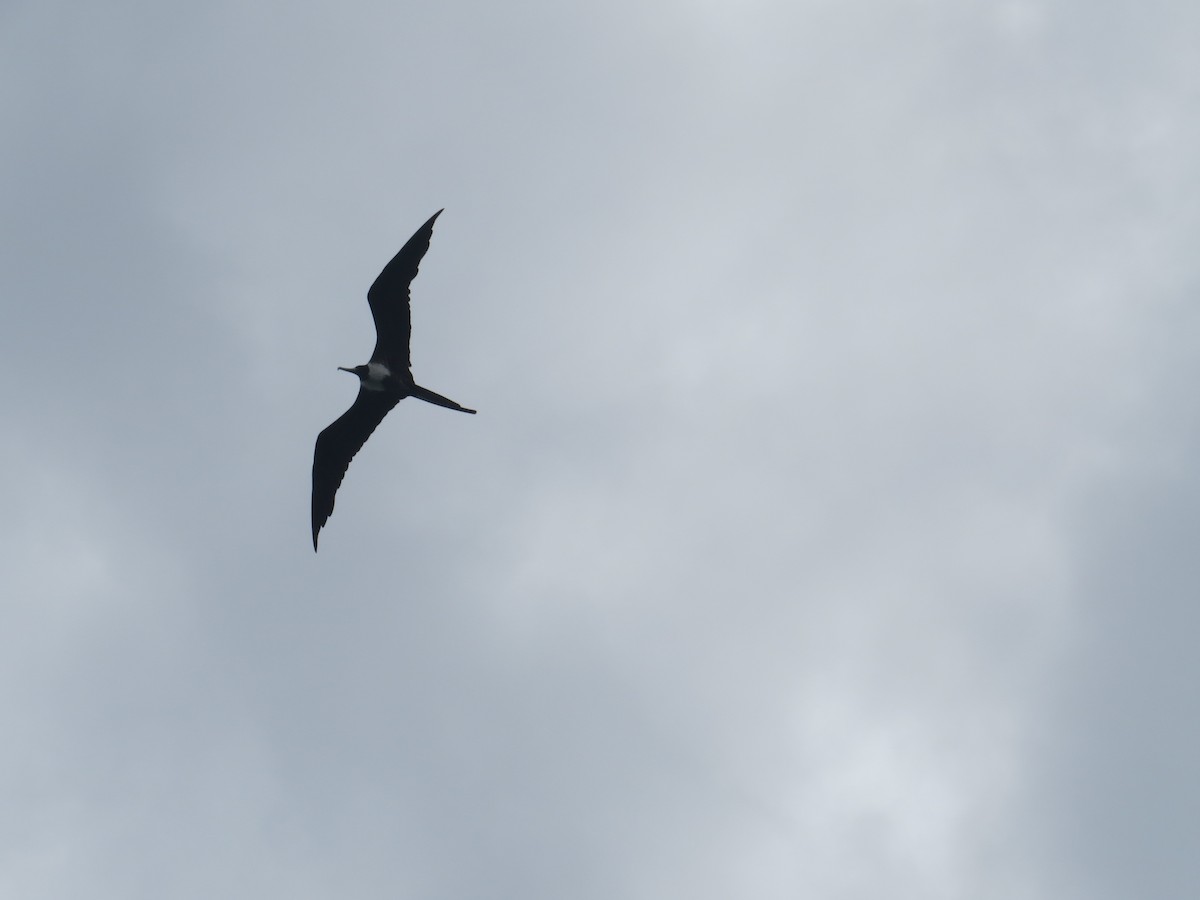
<point x="389" y="298"/>
<point x="338" y="444"/>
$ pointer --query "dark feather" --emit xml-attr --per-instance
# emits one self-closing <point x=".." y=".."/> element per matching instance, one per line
<point x="389" y="298"/>
<point x="338" y="444"/>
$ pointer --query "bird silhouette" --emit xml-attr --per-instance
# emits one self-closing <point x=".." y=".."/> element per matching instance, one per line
<point x="383" y="382"/>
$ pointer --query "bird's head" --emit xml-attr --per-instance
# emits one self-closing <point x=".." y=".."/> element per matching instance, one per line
<point x="360" y="371"/>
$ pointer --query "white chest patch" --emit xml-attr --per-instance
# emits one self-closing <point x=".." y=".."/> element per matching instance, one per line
<point x="377" y="373"/>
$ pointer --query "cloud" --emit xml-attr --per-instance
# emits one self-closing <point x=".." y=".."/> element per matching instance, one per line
<point x="823" y="528"/>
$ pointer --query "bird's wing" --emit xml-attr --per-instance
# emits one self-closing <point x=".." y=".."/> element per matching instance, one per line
<point x="389" y="300"/>
<point x="336" y="446"/>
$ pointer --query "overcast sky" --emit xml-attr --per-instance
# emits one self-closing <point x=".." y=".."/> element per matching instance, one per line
<point x="829" y="525"/>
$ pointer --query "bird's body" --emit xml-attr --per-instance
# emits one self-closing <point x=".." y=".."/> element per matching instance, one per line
<point x="377" y="377"/>
<point x="383" y="382"/>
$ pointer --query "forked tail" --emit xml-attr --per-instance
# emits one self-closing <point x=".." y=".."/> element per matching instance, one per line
<point x="437" y="399"/>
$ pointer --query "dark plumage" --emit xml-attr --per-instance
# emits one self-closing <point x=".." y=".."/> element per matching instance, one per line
<point x="383" y="382"/>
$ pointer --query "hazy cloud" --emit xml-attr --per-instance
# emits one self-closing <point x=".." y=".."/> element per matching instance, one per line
<point x="825" y="526"/>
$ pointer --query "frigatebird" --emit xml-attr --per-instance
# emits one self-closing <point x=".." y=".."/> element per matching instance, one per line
<point x="383" y="382"/>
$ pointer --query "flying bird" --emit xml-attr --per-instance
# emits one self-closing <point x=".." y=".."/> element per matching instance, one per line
<point x="383" y="382"/>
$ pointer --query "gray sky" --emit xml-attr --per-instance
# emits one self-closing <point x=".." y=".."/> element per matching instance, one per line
<point x="828" y="525"/>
